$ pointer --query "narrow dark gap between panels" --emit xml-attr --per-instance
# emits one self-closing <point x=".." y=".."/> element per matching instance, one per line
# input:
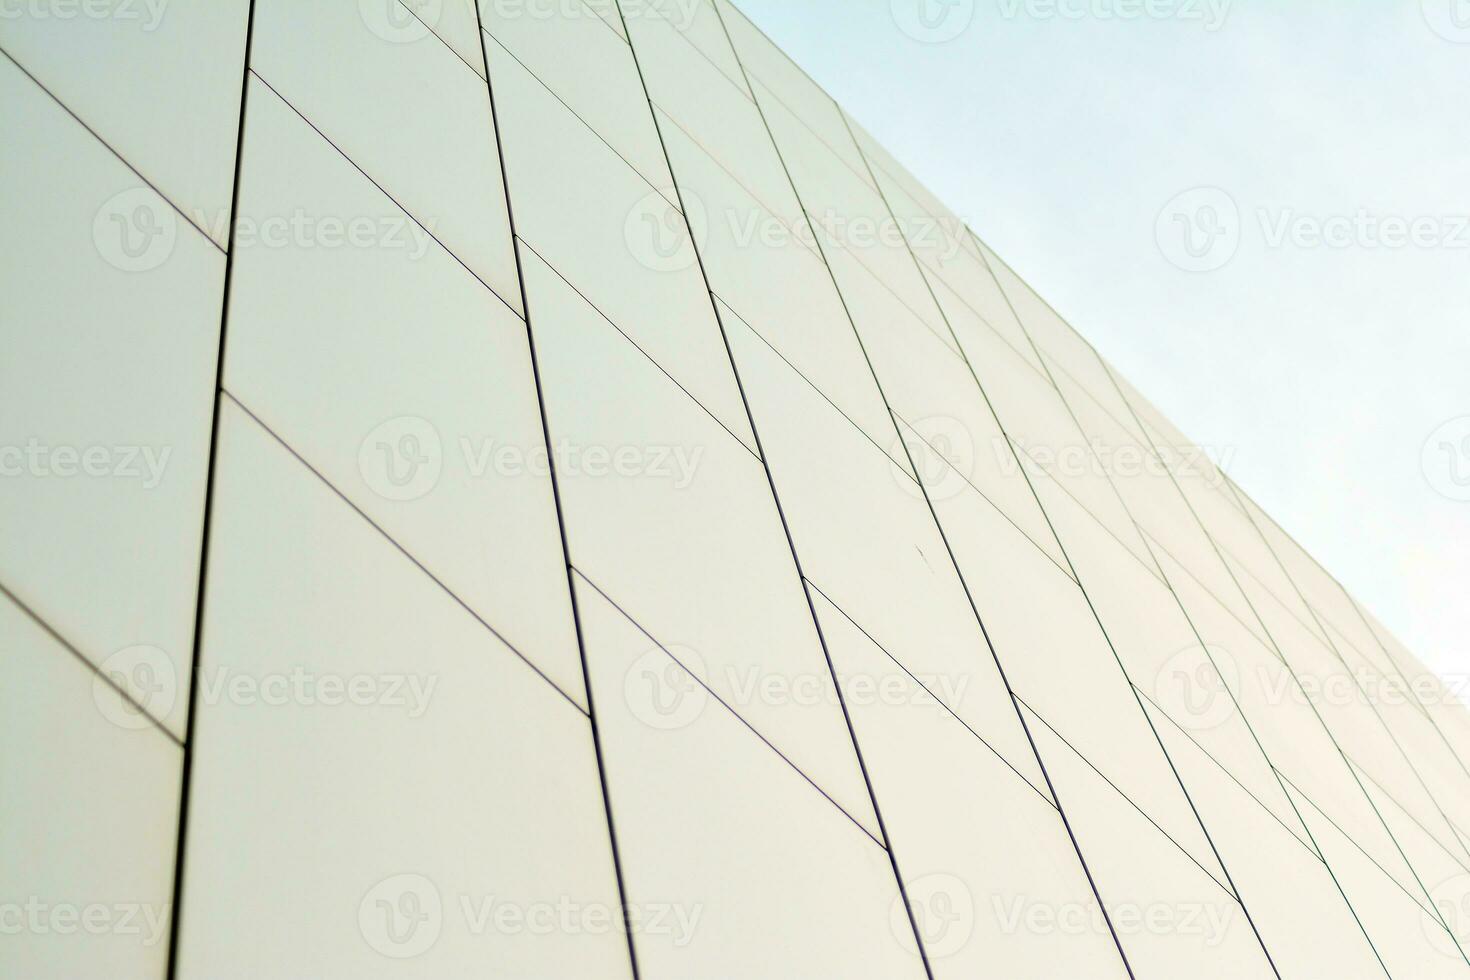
<point x="186" y="775"/>
<point x="1051" y="788"/>
<point x="560" y="518"/>
<point x="781" y="512"/>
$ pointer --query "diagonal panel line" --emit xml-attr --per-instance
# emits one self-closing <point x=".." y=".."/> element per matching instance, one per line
<point x="1272" y="645"/>
<point x="86" y="662"/>
<point x="1373" y="706"/>
<point x="1185" y="733"/>
<point x="940" y="701"/>
<point x="813" y="386"/>
<point x="578" y="116"/>
<point x="1394" y="882"/>
<point x="1240" y="497"/>
<point x="1158" y="546"/>
<point x="932" y="275"/>
<point x="400" y="547"/>
<point x="1352" y="772"/>
<point x="1229" y="892"/>
<point x="1422" y="708"/>
<point x="942" y="535"/>
<point x="1019" y="451"/>
<point x="797" y="236"/>
<point x="820" y="88"/>
<point x="607" y="809"/>
<point x="626" y="336"/>
<point x="113" y="150"/>
<point x="1412" y="818"/>
<point x="372" y="180"/>
<point x="906" y="424"/>
<point x="1189" y="620"/>
<point x="728" y="707"/>
<point x="1178" y="777"/>
<point x="408" y="8"/>
<point x="781" y="512"/>
<point x="1327" y="819"/>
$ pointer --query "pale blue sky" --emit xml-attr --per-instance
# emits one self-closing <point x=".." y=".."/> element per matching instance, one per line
<point x="1322" y="372"/>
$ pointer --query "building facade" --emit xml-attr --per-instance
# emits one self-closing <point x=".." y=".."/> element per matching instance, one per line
<point x="534" y="490"/>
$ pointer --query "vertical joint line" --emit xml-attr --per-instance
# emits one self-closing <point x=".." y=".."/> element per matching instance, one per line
<point x="187" y="766"/>
<point x="560" y="516"/>
<point x="821" y="251"/>
<point x="1153" y="729"/>
<point x="776" y="497"/>
<point x="934" y="513"/>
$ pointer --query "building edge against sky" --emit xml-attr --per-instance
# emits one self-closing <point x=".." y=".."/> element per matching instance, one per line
<point x="535" y="485"/>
